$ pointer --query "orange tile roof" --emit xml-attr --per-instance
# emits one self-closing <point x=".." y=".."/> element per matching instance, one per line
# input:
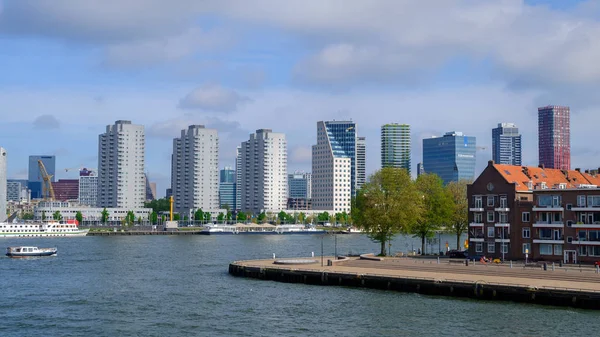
<point x="522" y="175"/>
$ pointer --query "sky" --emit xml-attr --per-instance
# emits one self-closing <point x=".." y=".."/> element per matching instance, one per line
<point x="70" y="68"/>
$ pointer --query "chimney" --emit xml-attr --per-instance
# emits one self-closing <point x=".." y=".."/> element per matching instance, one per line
<point x="578" y="169"/>
<point x="490" y="163"/>
<point x="526" y="171"/>
<point x="541" y="166"/>
<point x="587" y="171"/>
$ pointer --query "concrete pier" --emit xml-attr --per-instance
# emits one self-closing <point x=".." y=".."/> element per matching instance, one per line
<point x="118" y="233"/>
<point x="571" y="287"/>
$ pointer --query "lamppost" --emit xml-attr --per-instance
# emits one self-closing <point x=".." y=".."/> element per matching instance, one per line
<point x="322" y="236"/>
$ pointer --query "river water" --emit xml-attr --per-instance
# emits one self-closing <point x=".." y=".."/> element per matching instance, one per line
<point x="180" y="286"/>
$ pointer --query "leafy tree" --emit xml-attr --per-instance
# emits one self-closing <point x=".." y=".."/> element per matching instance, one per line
<point x="44" y="216"/>
<point x="302" y="217"/>
<point x="199" y="215"/>
<point x="104" y="216"/>
<point x="323" y="217"/>
<point x="309" y="219"/>
<point x="241" y="216"/>
<point x="207" y="217"/>
<point x="27" y="216"/>
<point x="139" y="220"/>
<point x="387" y="205"/>
<point x="344" y="218"/>
<point x="164" y="217"/>
<point x="437" y="207"/>
<point x="79" y="217"/>
<point x="159" y="205"/>
<point x="130" y="218"/>
<point x="282" y="216"/>
<point x="228" y="216"/>
<point x="153" y="217"/>
<point x="261" y="217"/>
<point x="220" y="217"/>
<point x="186" y="218"/>
<point x="57" y="216"/>
<point x="459" y="220"/>
<point x="175" y="216"/>
<point x="339" y="218"/>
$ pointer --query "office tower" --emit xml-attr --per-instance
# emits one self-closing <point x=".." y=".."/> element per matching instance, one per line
<point x="264" y="172"/>
<point x="227" y="187"/>
<point x="420" y="169"/>
<point x="554" y="137"/>
<point x="121" y="159"/>
<point x="195" y="167"/>
<point x="3" y="173"/>
<point x="66" y="189"/>
<point x="17" y="190"/>
<point x="332" y="161"/>
<point x="238" y="178"/>
<point x="299" y="185"/>
<point x="35" y="179"/>
<point x="395" y="146"/>
<point x="168" y="193"/>
<point x="150" y="188"/>
<point x="361" y="162"/>
<point x="451" y="157"/>
<point x="88" y="187"/>
<point x="506" y="144"/>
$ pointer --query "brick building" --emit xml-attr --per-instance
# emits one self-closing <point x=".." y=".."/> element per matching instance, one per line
<point x="552" y="214"/>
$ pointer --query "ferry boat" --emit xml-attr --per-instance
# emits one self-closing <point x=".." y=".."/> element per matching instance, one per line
<point x="23" y="251"/>
<point x="47" y="229"/>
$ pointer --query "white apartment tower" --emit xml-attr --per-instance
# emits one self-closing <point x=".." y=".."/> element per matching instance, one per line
<point x="121" y="159"/>
<point x="2" y="185"/>
<point x="264" y="172"/>
<point x="331" y="173"/>
<point x="195" y="170"/>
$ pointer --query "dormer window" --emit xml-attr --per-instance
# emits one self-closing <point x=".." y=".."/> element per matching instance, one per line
<point x="544" y="186"/>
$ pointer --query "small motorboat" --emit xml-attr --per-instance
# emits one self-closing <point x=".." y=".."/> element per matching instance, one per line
<point x="26" y="251"/>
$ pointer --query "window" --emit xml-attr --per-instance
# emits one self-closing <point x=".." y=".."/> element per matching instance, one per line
<point x="478" y="218"/>
<point x="503" y="202"/>
<point x="582" y="250"/>
<point x="491" y="248"/>
<point x="581" y="201"/>
<point x="557" y="249"/>
<point x="490" y="216"/>
<point x="545" y="249"/>
<point x="557" y="217"/>
<point x="526" y="233"/>
<point x="593" y="250"/>
<point x="525" y="216"/>
<point x="526" y="248"/>
<point x="593" y="201"/>
<point x="491" y="200"/>
<point x="503" y="217"/>
<point x="504" y="248"/>
<point x="478" y="247"/>
<point x="490" y="232"/>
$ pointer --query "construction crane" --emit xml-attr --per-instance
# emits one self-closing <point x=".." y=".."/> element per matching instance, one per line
<point x="47" y="190"/>
<point x="74" y="168"/>
<point x="481" y="148"/>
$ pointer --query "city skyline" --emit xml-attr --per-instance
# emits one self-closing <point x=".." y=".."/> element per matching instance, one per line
<point x="239" y="70"/>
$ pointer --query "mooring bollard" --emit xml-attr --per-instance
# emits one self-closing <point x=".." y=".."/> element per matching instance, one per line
<point x="438" y="260"/>
<point x="597" y="269"/>
<point x="312" y="254"/>
<point x="552" y="266"/>
<point x="273" y="256"/>
<point x="510" y="264"/>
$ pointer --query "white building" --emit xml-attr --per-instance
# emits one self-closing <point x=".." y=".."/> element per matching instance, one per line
<point x="16" y="190"/>
<point x="88" y="188"/>
<point x="121" y="152"/>
<point x="331" y="173"/>
<point x="264" y="172"/>
<point x="195" y="170"/>
<point x="68" y="211"/>
<point x="3" y="201"/>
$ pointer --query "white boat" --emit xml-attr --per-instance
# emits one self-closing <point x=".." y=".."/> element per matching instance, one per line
<point x="24" y="251"/>
<point x="48" y="229"/>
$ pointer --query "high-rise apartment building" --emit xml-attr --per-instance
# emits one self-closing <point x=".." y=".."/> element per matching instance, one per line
<point x="238" y="178"/>
<point x="150" y="188"/>
<point x="395" y="146"/>
<point x="88" y="187"/>
<point x="506" y="144"/>
<point x="451" y="157"/>
<point x="299" y="185"/>
<point x="420" y="169"/>
<point x="333" y="159"/>
<point x="361" y="162"/>
<point x="121" y="159"/>
<point x="554" y="137"/>
<point x="195" y="170"/>
<point x="227" y="188"/>
<point x="34" y="179"/>
<point x="264" y="172"/>
<point x="3" y="173"/>
<point x="16" y="190"/>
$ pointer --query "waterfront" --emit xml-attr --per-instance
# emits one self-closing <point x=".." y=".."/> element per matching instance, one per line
<point x="179" y="285"/>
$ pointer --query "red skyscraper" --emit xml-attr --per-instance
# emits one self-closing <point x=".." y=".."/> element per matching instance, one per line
<point x="554" y="137"/>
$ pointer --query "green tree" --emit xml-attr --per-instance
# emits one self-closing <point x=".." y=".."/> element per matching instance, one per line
<point x="282" y="216"/>
<point x="27" y="216"/>
<point x="387" y="205"/>
<point x="79" y="217"/>
<point x="339" y="218"/>
<point x="159" y="205"/>
<point x="164" y="217"/>
<point x="186" y="218"/>
<point x="57" y="216"/>
<point x="261" y="217"/>
<point x="129" y="218"/>
<point x="153" y="217"/>
<point x="437" y="207"/>
<point x="104" y="216"/>
<point x="176" y="216"/>
<point x="302" y="218"/>
<point x="228" y="216"/>
<point x="44" y="216"/>
<point x="207" y="217"/>
<point x="241" y="216"/>
<point x="220" y="217"/>
<point x="198" y="215"/>
<point x="459" y="220"/>
<point x="323" y="217"/>
<point x="139" y="220"/>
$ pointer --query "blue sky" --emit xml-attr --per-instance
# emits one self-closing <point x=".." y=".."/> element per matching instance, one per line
<point x="69" y="68"/>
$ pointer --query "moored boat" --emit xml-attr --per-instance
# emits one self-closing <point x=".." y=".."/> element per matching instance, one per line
<point x="26" y="251"/>
<point x="47" y="229"/>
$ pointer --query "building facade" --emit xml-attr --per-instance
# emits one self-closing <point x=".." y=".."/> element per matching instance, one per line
<point x="17" y="190"/>
<point x="332" y="166"/>
<point x="506" y="144"/>
<point x="451" y="157"/>
<point x="395" y="146"/>
<point x="121" y="162"/>
<point x="420" y="169"/>
<point x="69" y="210"/>
<point x="299" y="185"/>
<point x="554" y="136"/>
<point x="66" y="189"/>
<point x="88" y="187"/>
<point x="150" y="188"/>
<point x="535" y="213"/>
<point x="195" y="170"/>
<point x="361" y="162"/>
<point x="264" y="172"/>
<point x="227" y="188"/>
<point x="238" y="178"/>
<point x="3" y="173"/>
<point x="34" y="178"/>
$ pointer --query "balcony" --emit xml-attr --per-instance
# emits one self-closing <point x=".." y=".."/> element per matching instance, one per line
<point x="505" y="240"/>
<point x="476" y="224"/>
<point x="549" y="224"/>
<point x="502" y="209"/>
<point x="502" y="225"/>
<point x="595" y="225"/>
<point x="585" y="209"/>
<point x="476" y="239"/>
<point x="560" y="240"/>
<point x="476" y="209"/>
<point x="586" y="242"/>
<point x="555" y="208"/>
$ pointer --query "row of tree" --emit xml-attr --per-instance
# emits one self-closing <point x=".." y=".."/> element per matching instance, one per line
<point x="392" y="203"/>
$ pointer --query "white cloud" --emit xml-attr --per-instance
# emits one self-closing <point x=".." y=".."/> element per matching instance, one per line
<point x="212" y="97"/>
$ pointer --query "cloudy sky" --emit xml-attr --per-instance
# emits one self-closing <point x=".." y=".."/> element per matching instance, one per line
<point x="69" y="68"/>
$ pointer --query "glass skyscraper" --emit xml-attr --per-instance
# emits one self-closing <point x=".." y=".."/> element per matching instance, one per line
<point x="299" y="185"/>
<point x="395" y="146"/>
<point x="227" y="188"/>
<point x="506" y="144"/>
<point x="34" y="181"/>
<point x="342" y="136"/>
<point x="451" y="157"/>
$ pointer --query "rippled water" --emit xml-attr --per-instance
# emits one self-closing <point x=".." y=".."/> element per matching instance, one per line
<point x="179" y="286"/>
